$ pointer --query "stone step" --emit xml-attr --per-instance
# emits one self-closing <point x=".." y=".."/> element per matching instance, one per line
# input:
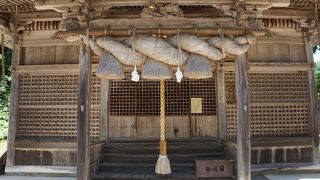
<point x="142" y="168"/>
<point x="151" y="176"/>
<point x="152" y="158"/>
<point x="155" y="149"/>
<point x="127" y="160"/>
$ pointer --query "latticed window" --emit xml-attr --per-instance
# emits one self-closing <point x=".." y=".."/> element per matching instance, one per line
<point x="141" y="98"/>
<point x="48" y="107"/>
<point x="278" y="104"/>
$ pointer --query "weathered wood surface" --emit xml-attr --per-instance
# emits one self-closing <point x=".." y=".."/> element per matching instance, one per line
<point x="52" y="4"/>
<point x="48" y="42"/>
<point x="13" y="117"/>
<point x="147" y="127"/>
<point x="243" y="124"/>
<point x="221" y="102"/>
<point x="177" y="127"/>
<point x="272" y="67"/>
<point x="267" y="50"/>
<point x="47" y="55"/>
<point x="121" y="32"/>
<point x="204" y="126"/>
<point x="83" y="133"/>
<point x="104" y="110"/>
<point x="214" y="168"/>
<point x="253" y="67"/>
<point x="313" y="105"/>
<point x="27" y="144"/>
<point x="122" y="127"/>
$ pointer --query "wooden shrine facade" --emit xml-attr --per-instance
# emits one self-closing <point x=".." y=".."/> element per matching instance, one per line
<point x="61" y="113"/>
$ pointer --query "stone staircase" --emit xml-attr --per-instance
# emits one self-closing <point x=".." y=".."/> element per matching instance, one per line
<point x="137" y="160"/>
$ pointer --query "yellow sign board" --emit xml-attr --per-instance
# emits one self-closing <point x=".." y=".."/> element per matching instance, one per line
<point x="196" y="105"/>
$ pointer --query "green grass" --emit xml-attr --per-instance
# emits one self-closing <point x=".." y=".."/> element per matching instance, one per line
<point x="3" y="147"/>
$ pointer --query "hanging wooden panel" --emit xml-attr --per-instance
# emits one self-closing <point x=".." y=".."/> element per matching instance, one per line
<point x="278" y="104"/>
<point x="48" y="107"/>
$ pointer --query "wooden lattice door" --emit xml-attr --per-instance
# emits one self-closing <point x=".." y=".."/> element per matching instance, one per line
<point x="135" y="109"/>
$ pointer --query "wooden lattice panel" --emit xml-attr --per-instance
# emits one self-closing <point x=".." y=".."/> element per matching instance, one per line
<point x="206" y="90"/>
<point x="141" y="98"/>
<point x="279" y="23"/>
<point x="278" y="104"/>
<point x="302" y="3"/>
<point x="48" y="107"/>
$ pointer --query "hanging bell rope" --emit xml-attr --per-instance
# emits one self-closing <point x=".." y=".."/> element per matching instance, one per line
<point x="163" y="163"/>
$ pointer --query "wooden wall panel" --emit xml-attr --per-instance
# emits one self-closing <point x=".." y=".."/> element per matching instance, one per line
<point x="32" y="56"/>
<point x="272" y="52"/>
<point x="204" y="126"/>
<point x="67" y="55"/>
<point x="177" y="127"/>
<point x="269" y="51"/>
<point x="297" y="53"/>
<point x="41" y="55"/>
<point x="122" y="127"/>
<point x="148" y="127"/>
<point x="48" y="157"/>
<point x="47" y="54"/>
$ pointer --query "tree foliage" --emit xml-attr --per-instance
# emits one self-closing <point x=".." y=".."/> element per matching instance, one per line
<point x="4" y="94"/>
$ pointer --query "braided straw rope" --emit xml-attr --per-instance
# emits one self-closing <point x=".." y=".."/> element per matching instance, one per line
<point x="162" y="111"/>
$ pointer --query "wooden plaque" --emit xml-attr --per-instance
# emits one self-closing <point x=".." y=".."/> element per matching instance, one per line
<point x="196" y="105"/>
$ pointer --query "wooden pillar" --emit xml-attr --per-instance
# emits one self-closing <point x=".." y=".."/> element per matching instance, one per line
<point x="14" y="99"/>
<point x="83" y="137"/>
<point x="221" y="102"/>
<point x="313" y="104"/>
<point x="13" y="117"/>
<point x="104" y="110"/>
<point x="243" y="127"/>
<point x="2" y="54"/>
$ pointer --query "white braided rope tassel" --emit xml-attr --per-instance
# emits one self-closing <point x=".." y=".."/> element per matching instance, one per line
<point x="179" y="74"/>
<point x="134" y="74"/>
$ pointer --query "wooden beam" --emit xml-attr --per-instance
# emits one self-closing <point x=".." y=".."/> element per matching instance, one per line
<point x="51" y="69"/>
<point x="221" y="103"/>
<point x="104" y="111"/>
<point x="42" y="145"/>
<point x="83" y="132"/>
<point x="281" y="13"/>
<point x="313" y="105"/>
<point x="38" y="16"/>
<point x="48" y="42"/>
<point x="57" y="4"/>
<point x="285" y="40"/>
<point x="243" y="124"/>
<point x="162" y="22"/>
<point x="272" y="67"/>
<point x="204" y="32"/>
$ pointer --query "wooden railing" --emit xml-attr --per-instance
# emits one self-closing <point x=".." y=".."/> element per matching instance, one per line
<point x="95" y="155"/>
